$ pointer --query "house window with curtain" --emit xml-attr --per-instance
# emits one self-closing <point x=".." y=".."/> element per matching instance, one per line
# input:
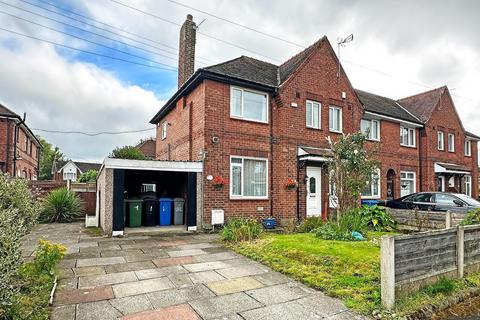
<point x="372" y="189"/>
<point x="440" y="141"/>
<point x="451" y="142"/>
<point x="313" y="116"/>
<point x="335" y="119"/>
<point x="248" y="105"/>
<point x="248" y="178"/>
<point x="468" y="148"/>
<point x="371" y="129"/>
<point x="407" y="137"/>
<point x="407" y="183"/>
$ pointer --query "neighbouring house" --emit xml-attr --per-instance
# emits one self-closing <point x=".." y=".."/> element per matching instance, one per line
<point x="236" y="133"/>
<point x="19" y="147"/>
<point x="71" y="170"/>
<point x="148" y="147"/>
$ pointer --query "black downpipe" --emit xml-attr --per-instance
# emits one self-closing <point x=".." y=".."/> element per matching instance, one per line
<point x="15" y="138"/>
<point x="270" y="111"/>
<point x="298" y="190"/>
<point x="420" y="169"/>
<point x="7" y="157"/>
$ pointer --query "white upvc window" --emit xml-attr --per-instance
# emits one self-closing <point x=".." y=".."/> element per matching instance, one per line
<point x="468" y="148"/>
<point x="451" y="142"/>
<point x="371" y="129"/>
<point x="248" y="105"/>
<point x="335" y="119"/>
<point x="372" y="189"/>
<point x="313" y="114"/>
<point x="407" y="183"/>
<point x="407" y="137"/>
<point x="248" y="178"/>
<point x="440" y="140"/>
<point x="467" y="185"/>
<point x="70" y="176"/>
<point x="164" y="130"/>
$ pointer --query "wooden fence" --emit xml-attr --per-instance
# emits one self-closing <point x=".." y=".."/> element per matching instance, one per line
<point x="414" y="220"/>
<point x="411" y="262"/>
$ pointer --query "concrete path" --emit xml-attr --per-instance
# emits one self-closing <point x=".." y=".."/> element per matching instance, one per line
<point x="161" y="277"/>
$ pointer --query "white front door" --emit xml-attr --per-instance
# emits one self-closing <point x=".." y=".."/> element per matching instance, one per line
<point x="314" y="191"/>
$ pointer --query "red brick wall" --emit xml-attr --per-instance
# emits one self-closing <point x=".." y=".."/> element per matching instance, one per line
<point x="185" y="132"/>
<point x="445" y="118"/>
<point x="29" y="160"/>
<point x="392" y="155"/>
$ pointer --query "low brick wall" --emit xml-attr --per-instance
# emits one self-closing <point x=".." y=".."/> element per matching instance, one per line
<point x="40" y="188"/>
<point x="414" y="220"/>
<point x="411" y="262"/>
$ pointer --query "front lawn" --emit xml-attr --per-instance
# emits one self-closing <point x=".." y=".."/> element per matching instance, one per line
<point x="344" y="269"/>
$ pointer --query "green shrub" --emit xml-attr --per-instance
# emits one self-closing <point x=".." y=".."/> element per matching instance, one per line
<point x="443" y="286"/>
<point x="61" y="205"/>
<point x="342" y="230"/>
<point x="35" y="281"/>
<point x="242" y="229"/>
<point x="309" y="224"/>
<point x="472" y="217"/>
<point x="18" y="214"/>
<point x="89" y="176"/>
<point x="377" y="218"/>
<point x="128" y="152"/>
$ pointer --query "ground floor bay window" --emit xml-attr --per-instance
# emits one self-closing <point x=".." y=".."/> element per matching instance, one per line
<point x="407" y="183"/>
<point x="248" y="178"/>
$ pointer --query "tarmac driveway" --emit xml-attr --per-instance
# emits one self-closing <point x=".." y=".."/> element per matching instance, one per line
<point x="161" y="277"/>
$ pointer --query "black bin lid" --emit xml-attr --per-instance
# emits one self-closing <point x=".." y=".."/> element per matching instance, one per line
<point x="149" y="196"/>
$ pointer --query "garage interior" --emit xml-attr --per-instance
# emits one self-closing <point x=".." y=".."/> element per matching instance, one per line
<point x="138" y="196"/>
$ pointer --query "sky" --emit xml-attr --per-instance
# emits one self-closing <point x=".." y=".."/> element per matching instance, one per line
<point x="68" y="81"/>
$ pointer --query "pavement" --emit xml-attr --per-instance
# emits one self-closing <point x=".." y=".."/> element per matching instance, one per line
<point x="187" y="276"/>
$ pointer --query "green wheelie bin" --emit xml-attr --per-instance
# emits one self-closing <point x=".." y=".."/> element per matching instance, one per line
<point x="135" y="212"/>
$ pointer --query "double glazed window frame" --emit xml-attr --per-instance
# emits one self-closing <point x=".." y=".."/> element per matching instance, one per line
<point x="370" y="133"/>
<point x="331" y="119"/>
<point x="241" y="116"/>
<point x="468" y="148"/>
<point x="451" y="143"/>
<point x="242" y="196"/>
<point x="440" y="141"/>
<point x="467" y="185"/>
<point x="411" y="137"/>
<point x="313" y="105"/>
<point x="374" y="195"/>
<point x="164" y="129"/>
<point x="414" y="180"/>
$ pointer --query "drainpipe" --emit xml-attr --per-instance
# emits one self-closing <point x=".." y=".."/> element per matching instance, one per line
<point x="15" y="140"/>
<point x="7" y="155"/>
<point x="298" y="190"/>
<point x="272" y="141"/>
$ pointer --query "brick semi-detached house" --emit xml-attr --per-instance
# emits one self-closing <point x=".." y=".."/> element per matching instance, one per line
<point x="19" y="147"/>
<point x="256" y="125"/>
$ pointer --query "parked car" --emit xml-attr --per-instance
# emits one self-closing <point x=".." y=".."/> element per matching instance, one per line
<point x="435" y="201"/>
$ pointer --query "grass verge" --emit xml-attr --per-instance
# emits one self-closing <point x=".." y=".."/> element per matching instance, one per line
<point x="344" y="269"/>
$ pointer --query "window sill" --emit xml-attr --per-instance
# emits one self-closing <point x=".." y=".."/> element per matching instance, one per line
<point x="248" y="120"/>
<point x="335" y="131"/>
<point x="406" y="146"/>
<point x="373" y="140"/>
<point x="313" y="128"/>
<point x="248" y="198"/>
<point x="371" y="198"/>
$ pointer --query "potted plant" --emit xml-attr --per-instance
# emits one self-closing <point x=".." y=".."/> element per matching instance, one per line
<point x="291" y="183"/>
<point x="218" y="182"/>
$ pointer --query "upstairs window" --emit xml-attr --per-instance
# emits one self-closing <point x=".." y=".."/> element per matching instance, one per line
<point x="313" y="114"/>
<point x="407" y="137"/>
<point x="468" y="148"/>
<point x="164" y="130"/>
<point x="335" y="119"/>
<point x="248" y="105"/>
<point x="451" y="142"/>
<point x="440" y="141"/>
<point x="371" y="129"/>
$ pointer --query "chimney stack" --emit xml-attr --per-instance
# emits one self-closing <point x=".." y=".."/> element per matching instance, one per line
<point x="186" y="55"/>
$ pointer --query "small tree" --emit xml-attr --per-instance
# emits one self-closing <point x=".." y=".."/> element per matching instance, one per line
<point x="89" y="176"/>
<point x="48" y="156"/>
<point x="128" y="152"/>
<point x="351" y="170"/>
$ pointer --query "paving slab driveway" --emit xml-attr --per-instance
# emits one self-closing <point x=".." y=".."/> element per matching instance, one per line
<point x="180" y="277"/>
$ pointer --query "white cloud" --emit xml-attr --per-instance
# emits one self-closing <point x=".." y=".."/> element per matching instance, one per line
<point x="73" y="96"/>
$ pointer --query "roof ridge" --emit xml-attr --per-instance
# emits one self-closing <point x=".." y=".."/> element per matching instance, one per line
<point x="423" y="93"/>
<point x="374" y="94"/>
<point x="305" y="49"/>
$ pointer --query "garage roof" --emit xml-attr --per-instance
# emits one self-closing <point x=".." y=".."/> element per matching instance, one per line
<point x="153" y="165"/>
